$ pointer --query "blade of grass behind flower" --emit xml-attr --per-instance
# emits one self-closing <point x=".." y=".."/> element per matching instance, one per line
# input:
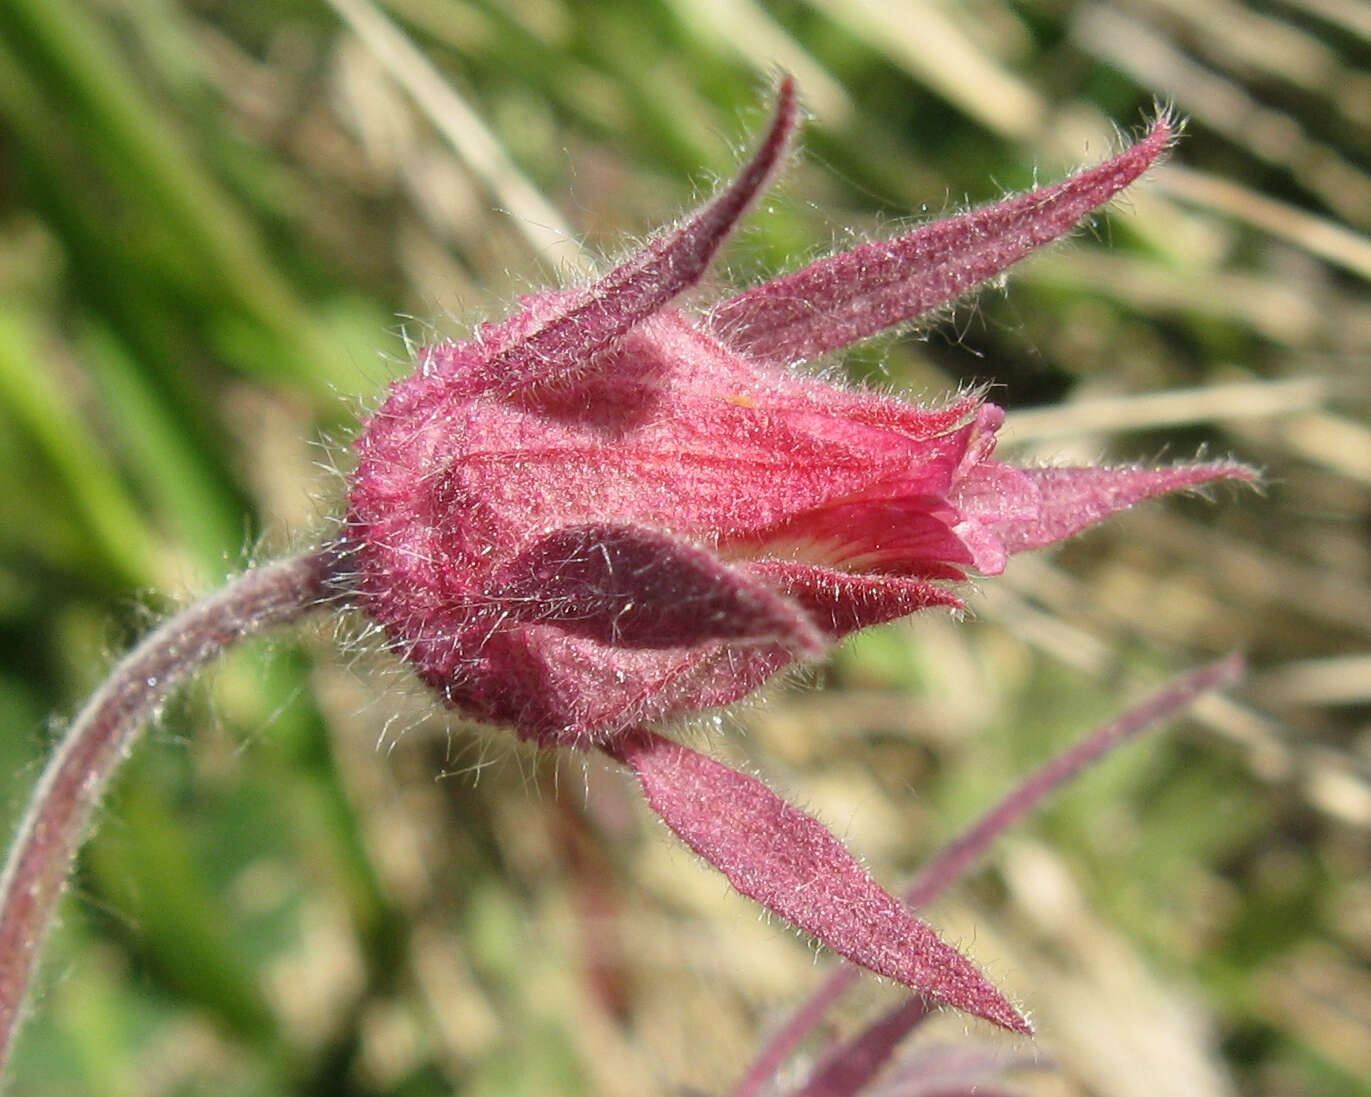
<point x="1353" y="16"/>
<point x="1265" y="302"/>
<point x="28" y="386"/>
<point x="747" y="29"/>
<point x="1226" y="106"/>
<point x="69" y="57"/>
<point x="1319" y="236"/>
<point x="1148" y="411"/>
<point x="1249" y="43"/>
<point x="927" y="43"/>
<point x="193" y="496"/>
<point x="480" y="151"/>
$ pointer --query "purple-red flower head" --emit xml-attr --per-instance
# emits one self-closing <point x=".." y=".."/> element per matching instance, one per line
<point x="604" y="512"/>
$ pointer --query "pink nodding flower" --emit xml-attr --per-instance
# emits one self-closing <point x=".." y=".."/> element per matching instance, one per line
<point x="604" y="512"/>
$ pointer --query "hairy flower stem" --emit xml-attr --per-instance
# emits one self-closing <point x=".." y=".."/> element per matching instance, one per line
<point x="956" y="858"/>
<point x="102" y="736"/>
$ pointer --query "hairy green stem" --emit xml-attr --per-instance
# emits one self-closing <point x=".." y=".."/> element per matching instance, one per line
<point x="102" y="736"/>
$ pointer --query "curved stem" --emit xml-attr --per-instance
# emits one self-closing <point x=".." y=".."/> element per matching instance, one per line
<point x="102" y="736"/>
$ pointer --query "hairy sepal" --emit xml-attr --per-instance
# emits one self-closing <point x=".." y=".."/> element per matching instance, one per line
<point x="785" y="859"/>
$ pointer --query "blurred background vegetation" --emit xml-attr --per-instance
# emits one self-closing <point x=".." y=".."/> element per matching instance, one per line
<point x="219" y="222"/>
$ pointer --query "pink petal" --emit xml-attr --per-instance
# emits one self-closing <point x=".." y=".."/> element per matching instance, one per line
<point x="566" y="346"/>
<point x="638" y="588"/>
<point x="847" y="297"/>
<point x="787" y="861"/>
<point x="1074" y="498"/>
